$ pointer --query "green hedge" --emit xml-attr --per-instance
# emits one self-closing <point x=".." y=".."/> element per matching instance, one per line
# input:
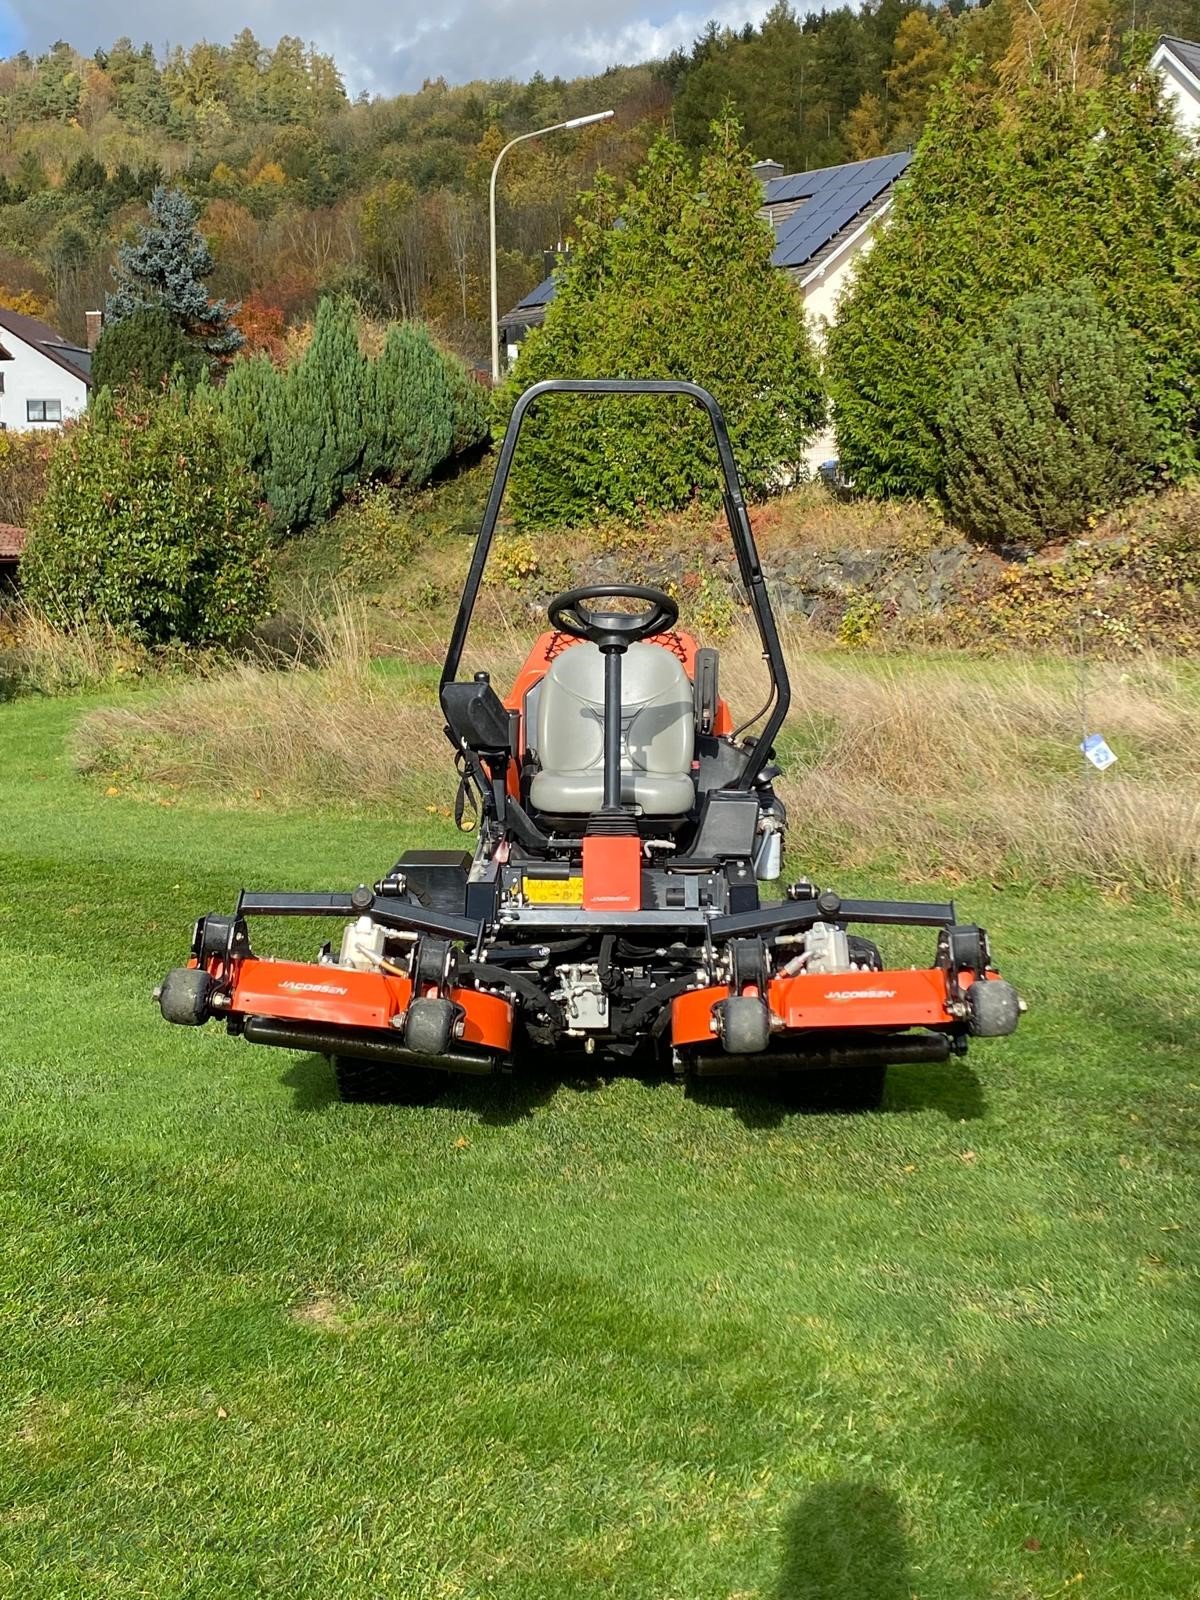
<point x="335" y="418"/>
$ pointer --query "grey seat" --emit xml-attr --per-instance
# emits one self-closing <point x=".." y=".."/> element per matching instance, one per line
<point x="658" y="729"/>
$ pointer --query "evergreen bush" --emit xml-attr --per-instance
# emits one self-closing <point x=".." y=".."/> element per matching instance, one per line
<point x="1010" y="191"/>
<point x="676" y="282"/>
<point x="1046" y="422"/>
<point x="147" y="350"/>
<point x="149" y="524"/>
<point x="409" y="412"/>
<point x="335" y="419"/>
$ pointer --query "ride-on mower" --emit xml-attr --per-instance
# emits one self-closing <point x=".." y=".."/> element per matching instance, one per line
<point x="614" y="903"/>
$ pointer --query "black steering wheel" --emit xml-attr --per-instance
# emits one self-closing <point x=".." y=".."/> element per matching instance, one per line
<point x="614" y="629"/>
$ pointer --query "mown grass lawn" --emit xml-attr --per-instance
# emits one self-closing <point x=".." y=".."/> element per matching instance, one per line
<point x="547" y="1340"/>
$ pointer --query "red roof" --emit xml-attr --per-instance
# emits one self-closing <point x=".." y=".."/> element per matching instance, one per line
<point x="12" y="541"/>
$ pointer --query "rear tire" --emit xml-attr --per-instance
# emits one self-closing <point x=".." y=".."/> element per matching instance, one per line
<point x="836" y="1088"/>
<point x="381" y="1083"/>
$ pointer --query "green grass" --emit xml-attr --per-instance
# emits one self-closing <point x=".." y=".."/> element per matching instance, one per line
<point x="547" y="1340"/>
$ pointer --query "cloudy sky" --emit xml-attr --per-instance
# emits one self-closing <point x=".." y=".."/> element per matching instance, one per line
<point x="393" y="47"/>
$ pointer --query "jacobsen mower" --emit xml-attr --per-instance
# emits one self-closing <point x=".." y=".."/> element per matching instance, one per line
<point x="614" y="902"/>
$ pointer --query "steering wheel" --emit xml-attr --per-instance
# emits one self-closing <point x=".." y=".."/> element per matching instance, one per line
<point x="614" y="629"/>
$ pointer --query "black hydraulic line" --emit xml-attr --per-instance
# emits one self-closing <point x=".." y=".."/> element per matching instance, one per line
<point x="654" y="1001"/>
<point x="738" y="519"/>
<point x="539" y="951"/>
<point x="526" y="988"/>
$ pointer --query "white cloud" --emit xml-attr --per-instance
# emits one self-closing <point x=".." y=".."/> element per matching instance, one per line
<point x="395" y="47"/>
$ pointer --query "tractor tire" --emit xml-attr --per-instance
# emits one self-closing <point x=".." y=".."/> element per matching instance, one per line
<point x="381" y="1083"/>
<point x="865" y="953"/>
<point x="844" y="1089"/>
<point x="185" y="996"/>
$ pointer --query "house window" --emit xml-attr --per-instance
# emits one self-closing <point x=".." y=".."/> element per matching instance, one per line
<point x="43" y="410"/>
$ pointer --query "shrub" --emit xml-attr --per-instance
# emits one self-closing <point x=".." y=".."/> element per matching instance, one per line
<point x="1046" y="422"/>
<point x="1008" y="193"/>
<point x="24" y="472"/>
<point x="314" y="422"/>
<point x="147" y="350"/>
<point x="409" y="412"/>
<point x="683" y="287"/>
<point x="149" y="525"/>
<point x="335" y="419"/>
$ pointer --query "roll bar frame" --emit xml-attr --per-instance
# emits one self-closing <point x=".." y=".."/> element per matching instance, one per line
<point x="733" y="500"/>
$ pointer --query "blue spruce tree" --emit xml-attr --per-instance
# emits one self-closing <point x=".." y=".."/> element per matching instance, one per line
<point x="166" y="266"/>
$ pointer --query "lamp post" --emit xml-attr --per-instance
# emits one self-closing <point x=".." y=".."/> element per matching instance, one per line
<point x="555" y="127"/>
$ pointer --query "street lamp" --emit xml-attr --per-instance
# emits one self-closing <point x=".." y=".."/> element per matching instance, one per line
<point x="556" y="127"/>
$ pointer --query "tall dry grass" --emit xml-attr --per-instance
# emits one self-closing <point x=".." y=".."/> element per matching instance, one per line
<point x="38" y="658"/>
<point x="946" y="768"/>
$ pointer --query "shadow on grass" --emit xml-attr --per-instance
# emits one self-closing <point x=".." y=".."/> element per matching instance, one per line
<point x="844" y="1541"/>
<point x="496" y="1100"/>
<point x="952" y="1089"/>
<point x="948" y="1087"/>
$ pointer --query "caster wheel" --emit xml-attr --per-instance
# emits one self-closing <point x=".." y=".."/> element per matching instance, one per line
<point x="185" y="996"/>
<point x="994" y="1008"/>
<point x="429" y="1028"/>
<point x="745" y="1025"/>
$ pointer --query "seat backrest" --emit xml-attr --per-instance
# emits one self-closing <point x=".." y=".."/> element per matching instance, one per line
<point x="658" y="725"/>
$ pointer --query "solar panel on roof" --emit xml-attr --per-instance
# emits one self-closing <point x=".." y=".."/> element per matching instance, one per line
<point x="831" y="196"/>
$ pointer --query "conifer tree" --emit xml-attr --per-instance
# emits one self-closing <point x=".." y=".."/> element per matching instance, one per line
<point x="166" y="266"/>
<point x="409" y="411"/>
<point x="314" y="422"/>
<point x="1012" y="190"/>
<point x="683" y="288"/>
<point x="146" y="350"/>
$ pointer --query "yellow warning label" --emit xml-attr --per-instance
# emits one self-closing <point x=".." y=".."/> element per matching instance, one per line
<point x="554" y="891"/>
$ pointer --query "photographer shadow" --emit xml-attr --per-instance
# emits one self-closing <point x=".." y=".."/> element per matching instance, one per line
<point x="844" y="1540"/>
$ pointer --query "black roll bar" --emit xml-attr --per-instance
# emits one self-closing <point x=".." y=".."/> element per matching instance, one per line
<point x="733" y="500"/>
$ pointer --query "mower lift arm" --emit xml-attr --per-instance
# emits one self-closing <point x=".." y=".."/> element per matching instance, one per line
<point x="411" y="916"/>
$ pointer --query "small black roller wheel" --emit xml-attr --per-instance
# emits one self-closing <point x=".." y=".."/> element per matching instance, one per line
<point x="185" y="996"/>
<point x="865" y="953"/>
<point x="384" y="1083"/>
<point x="994" y="1008"/>
<point x="745" y="1024"/>
<point x="429" y="1027"/>
<point x="846" y="1089"/>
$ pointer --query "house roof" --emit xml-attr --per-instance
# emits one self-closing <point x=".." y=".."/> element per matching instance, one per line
<point x="1184" y="50"/>
<point x="811" y="213"/>
<point x="71" y="357"/>
<point x="12" y="541"/>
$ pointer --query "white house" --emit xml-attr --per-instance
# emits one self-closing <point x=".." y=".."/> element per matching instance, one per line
<point x="823" y="222"/>
<point x="44" y="381"/>
<point x="1178" y="61"/>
